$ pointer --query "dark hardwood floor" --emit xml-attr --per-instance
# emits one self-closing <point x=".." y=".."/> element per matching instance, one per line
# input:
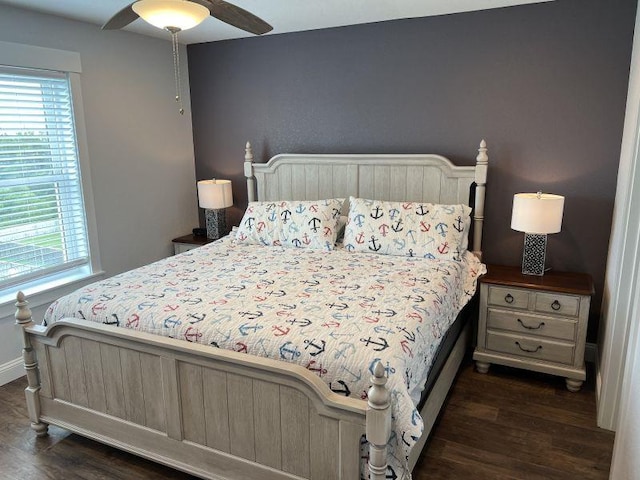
<point x="508" y="424"/>
<point x="514" y="424"/>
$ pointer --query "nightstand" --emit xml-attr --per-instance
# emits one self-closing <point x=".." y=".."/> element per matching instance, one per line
<point x="536" y="323"/>
<point x="188" y="242"/>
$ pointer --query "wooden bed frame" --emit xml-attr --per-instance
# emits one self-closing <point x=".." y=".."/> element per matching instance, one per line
<point x="220" y="414"/>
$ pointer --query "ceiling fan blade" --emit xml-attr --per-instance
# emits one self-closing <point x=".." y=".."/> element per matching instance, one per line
<point x="121" y="19"/>
<point x="236" y="16"/>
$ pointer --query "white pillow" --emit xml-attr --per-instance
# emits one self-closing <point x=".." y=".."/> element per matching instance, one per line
<point x="407" y="228"/>
<point x="296" y="224"/>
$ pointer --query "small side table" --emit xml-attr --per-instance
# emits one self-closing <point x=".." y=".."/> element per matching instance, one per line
<point x="189" y="242"/>
<point x="536" y="323"/>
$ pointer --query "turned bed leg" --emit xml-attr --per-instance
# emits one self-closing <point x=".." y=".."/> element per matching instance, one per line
<point x="378" y="423"/>
<point x="32" y="392"/>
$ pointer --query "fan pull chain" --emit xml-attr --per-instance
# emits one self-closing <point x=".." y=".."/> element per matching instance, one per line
<point x="176" y="68"/>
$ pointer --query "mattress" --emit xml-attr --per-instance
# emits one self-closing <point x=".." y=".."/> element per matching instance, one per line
<point x="444" y="349"/>
<point x="336" y="313"/>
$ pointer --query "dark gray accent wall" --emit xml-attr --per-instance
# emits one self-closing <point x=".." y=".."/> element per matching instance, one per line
<point x="545" y="85"/>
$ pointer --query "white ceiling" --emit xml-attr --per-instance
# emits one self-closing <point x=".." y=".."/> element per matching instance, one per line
<point x="284" y="15"/>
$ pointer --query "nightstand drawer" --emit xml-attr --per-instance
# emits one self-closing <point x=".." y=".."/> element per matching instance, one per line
<point x="531" y="324"/>
<point x="508" y="297"/>
<point x="530" y="347"/>
<point x="183" y="247"/>
<point x="557" y="304"/>
<point x="188" y="242"/>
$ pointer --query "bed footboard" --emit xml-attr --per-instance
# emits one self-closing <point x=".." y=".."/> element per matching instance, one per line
<point x="213" y="413"/>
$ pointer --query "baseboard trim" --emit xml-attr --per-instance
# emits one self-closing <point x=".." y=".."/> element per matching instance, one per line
<point x="11" y="370"/>
<point x="590" y="352"/>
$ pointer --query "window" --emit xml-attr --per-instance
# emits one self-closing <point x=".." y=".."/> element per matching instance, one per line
<point x="48" y="232"/>
<point x="42" y="220"/>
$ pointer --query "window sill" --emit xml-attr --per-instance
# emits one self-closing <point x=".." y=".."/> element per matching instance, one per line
<point x="45" y="291"/>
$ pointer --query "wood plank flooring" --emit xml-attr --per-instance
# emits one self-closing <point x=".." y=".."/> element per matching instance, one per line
<point x="508" y="424"/>
<point x="514" y="424"/>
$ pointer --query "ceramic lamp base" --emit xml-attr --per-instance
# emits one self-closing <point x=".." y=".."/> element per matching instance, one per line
<point x="216" y="223"/>
<point x="533" y="255"/>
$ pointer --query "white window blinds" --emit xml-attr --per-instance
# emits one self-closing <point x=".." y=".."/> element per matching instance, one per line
<point x="42" y="220"/>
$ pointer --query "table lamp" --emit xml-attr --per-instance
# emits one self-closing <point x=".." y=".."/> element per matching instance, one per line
<point x="536" y="214"/>
<point x="214" y="196"/>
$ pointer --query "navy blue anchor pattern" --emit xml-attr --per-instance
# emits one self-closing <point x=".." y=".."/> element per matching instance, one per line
<point x="335" y="313"/>
<point x="407" y="229"/>
<point x="300" y="224"/>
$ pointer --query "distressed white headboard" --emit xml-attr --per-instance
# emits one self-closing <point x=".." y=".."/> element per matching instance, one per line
<point x="418" y="178"/>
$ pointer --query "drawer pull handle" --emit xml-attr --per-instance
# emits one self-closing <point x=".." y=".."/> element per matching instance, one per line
<point x="508" y="298"/>
<point x="541" y="324"/>
<point x="539" y="347"/>
<point x="556" y="305"/>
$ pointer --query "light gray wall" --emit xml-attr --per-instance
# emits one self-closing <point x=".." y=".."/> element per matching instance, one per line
<point x="140" y="148"/>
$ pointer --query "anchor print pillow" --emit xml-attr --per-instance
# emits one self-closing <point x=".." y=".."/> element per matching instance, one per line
<point x="291" y="224"/>
<point x="407" y="228"/>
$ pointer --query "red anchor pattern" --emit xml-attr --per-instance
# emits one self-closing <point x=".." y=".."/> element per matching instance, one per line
<point x="133" y="321"/>
<point x="444" y="247"/>
<point x="303" y="224"/>
<point x="192" y="334"/>
<point x="279" y="331"/>
<point x="417" y="229"/>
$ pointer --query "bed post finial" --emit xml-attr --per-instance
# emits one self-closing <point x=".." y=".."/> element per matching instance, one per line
<point x="23" y="312"/>
<point x="32" y="392"/>
<point x="482" y="162"/>
<point x="378" y="423"/>
<point x="248" y="172"/>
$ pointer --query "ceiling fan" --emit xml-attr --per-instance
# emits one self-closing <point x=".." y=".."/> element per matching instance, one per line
<point x="177" y="15"/>
<point x="219" y="9"/>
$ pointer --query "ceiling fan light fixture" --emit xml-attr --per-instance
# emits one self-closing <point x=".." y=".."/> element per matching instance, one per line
<point x="175" y="14"/>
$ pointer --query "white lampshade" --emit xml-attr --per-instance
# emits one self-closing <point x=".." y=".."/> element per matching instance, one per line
<point x="215" y="194"/>
<point x="180" y="14"/>
<point x="537" y="213"/>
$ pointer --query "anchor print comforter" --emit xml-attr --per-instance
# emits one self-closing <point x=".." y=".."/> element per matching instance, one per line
<point x="335" y="313"/>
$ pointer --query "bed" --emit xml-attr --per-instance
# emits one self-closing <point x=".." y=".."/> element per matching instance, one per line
<point x="265" y="403"/>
